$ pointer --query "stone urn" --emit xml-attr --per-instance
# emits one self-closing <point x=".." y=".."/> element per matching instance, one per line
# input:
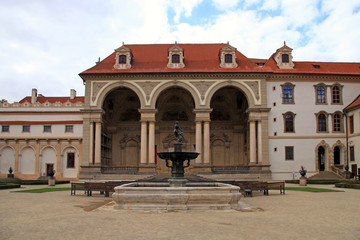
<point x="10" y="174"/>
<point x="303" y="179"/>
<point x="51" y="181"/>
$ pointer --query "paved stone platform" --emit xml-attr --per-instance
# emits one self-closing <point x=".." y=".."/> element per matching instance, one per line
<point x="296" y="215"/>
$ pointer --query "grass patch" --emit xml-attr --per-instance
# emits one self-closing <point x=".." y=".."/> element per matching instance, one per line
<point x="42" y="190"/>
<point x="310" y="189"/>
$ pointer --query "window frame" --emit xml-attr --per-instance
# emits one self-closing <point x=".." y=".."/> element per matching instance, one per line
<point x="47" y="128"/>
<point x="5" y="126"/>
<point x="73" y="160"/>
<point x="326" y="116"/>
<point x="352" y="154"/>
<point x="291" y="99"/>
<point x="227" y="57"/>
<point x="339" y="94"/>
<point x="340" y="123"/>
<point x="316" y="87"/>
<point x="25" y="127"/>
<point x="285" y="58"/>
<point x="351" y="124"/>
<point x="286" y="122"/>
<point x="72" y="128"/>
<point x="289" y="153"/>
<point x="175" y="58"/>
<point x="122" y="59"/>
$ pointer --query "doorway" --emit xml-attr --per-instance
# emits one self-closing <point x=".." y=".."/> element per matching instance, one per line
<point x="49" y="169"/>
<point x="321" y="158"/>
<point x="337" y="156"/>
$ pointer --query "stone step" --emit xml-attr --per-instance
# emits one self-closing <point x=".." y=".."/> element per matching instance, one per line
<point x="326" y="175"/>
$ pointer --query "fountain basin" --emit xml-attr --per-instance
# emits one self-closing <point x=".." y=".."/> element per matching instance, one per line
<point x="160" y="196"/>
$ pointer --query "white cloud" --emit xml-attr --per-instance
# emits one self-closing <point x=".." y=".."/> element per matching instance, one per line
<point x="225" y="4"/>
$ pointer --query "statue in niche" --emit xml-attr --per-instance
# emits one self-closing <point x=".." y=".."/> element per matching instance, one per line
<point x="178" y="133"/>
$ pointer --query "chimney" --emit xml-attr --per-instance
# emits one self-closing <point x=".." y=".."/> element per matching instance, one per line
<point x="34" y="95"/>
<point x="72" y="94"/>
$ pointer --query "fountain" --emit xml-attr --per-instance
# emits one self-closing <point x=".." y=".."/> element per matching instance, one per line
<point x="177" y="193"/>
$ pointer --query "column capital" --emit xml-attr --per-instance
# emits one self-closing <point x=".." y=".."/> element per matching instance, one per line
<point x="148" y="114"/>
<point x="202" y="114"/>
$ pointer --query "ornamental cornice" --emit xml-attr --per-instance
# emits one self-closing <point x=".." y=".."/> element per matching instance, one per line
<point x="311" y="77"/>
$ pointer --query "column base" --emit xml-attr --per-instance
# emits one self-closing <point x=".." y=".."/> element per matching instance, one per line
<point x="147" y="168"/>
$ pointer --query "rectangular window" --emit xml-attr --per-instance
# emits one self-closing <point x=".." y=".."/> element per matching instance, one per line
<point x="289" y="153"/>
<point x="5" y="128"/>
<point x="351" y="124"/>
<point x="352" y="154"/>
<point x="69" y="128"/>
<point x="26" y="128"/>
<point x="70" y="160"/>
<point x="47" y="128"/>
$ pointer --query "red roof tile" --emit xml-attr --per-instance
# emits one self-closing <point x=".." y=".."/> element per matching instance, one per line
<point x="42" y="99"/>
<point x="353" y="105"/>
<point x="153" y="58"/>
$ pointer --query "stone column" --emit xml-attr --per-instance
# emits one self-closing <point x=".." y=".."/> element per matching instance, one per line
<point x="143" y="155"/>
<point x="16" y="167"/>
<point x="59" y="169"/>
<point x="198" y="140"/>
<point x="259" y="141"/>
<point x="91" y="144"/>
<point x="252" y="142"/>
<point x="97" y="143"/>
<point x="151" y="142"/>
<point x="206" y="142"/>
<point x="37" y="158"/>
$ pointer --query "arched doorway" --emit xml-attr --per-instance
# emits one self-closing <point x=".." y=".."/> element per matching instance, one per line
<point x="120" y="137"/>
<point x="228" y="132"/>
<point x="48" y="161"/>
<point x="337" y="156"/>
<point x="174" y="104"/>
<point x="321" y="158"/>
<point x="7" y="160"/>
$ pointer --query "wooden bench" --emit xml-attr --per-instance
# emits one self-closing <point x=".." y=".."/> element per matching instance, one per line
<point x="94" y="186"/>
<point x="276" y="186"/>
<point x="77" y="186"/>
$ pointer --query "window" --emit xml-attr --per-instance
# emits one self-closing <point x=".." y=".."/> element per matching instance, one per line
<point x="70" y="160"/>
<point x="285" y="58"/>
<point x="26" y="128"/>
<point x="5" y="128"/>
<point x="351" y="124"/>
<point x="175" y="58"/>
<point x="336" y="94"/>
<point x="228" y="58"/>
<point x="288" y="93"/>
<point x="47" y="128"/>
<point x="352" y="154"/>
<point x="320" y="95"/>
<point x="289" y="122"/>
<point x="316" y="66"/>
<point x="69" y="128"/>
<point x="289" y="153"/>
<point x="337" y="120"/>
<point x="322" y="122"/>
<point x="122" y="59"/>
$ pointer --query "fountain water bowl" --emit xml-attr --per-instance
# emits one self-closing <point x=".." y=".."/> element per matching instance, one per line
<point x="178" y="193"/>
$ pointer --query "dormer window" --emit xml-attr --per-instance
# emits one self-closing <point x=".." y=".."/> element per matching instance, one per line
<point x="227" y="56"/>
<point x="123" y="59"/>
<point x="176" y="57"/>
<point x="283" y="57"/>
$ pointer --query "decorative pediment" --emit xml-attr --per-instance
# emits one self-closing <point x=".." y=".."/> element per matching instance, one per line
<point x="227" y="56"/>
<point x="283" y="57"/>
<point x="123" y="59"/>
<point x="176" y="57"/>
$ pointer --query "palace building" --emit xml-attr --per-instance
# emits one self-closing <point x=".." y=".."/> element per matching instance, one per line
<point x="248" y="118"/>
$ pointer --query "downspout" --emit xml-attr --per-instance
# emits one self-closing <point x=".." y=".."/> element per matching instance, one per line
<point x="347" y="143"/>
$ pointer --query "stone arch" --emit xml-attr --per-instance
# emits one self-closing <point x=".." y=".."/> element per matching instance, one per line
<point x="7" y="159"/>
<point x="326" y="161"/>
<point x="342" y="153"/>
<point x="27" y="160"/>
<point x="48" y="156"/>
<point x="250" y="97"/>
<point x="101" y="96"/>
<point x="69" y="172"/>
<point x="189" y="88"/>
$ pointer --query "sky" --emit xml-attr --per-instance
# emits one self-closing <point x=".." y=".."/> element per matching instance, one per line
<point x="45" y="44"/>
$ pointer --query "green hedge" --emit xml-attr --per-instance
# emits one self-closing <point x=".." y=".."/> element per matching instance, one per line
<point x="348" y="184"/>
<point x="9" y="185"/>
<point x="31" y="182"/>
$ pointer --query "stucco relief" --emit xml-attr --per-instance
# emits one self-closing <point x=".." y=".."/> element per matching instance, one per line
<point x="202" y="87"/>
<point x="254" y="85"/>
<point x="96" y="87"/>
<point x="148" y="87"/>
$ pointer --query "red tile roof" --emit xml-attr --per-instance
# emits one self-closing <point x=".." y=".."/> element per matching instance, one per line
<point x="153" y="58"/>
<point x="42" y="99"/>
<point x="355" y="104"/>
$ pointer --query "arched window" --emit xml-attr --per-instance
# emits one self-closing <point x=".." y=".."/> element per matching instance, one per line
<point x="285" y="58"/>
<point x="287" y="95"/>
<point x="122" y="59"/>
<point x="322" y="123"/>
<point x="336" y="94"/>
<point x="337" y="122"/>
<point x="320" y="94"/>
<point x="289" y="122"/>
<point x="228" y="58"/>
<point x="175" y="58"/>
